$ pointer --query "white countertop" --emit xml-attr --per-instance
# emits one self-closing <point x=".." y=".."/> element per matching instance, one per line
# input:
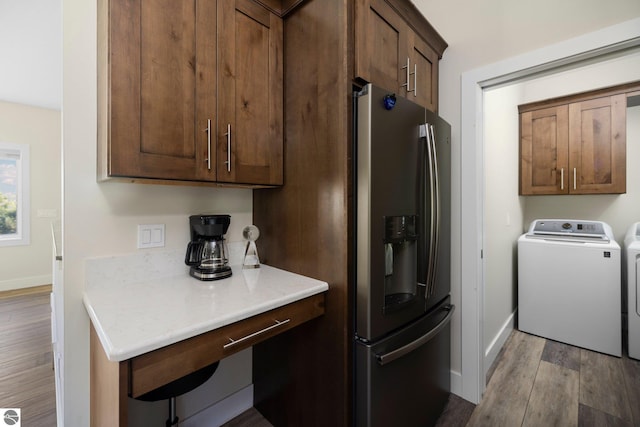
<point x="134" y="318"/>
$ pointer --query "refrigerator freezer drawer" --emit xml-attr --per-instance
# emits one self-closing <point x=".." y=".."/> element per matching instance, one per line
<point x="404" y="379"/>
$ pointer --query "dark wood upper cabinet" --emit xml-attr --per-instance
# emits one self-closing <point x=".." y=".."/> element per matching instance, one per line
<point x="544" y="151"/>
<point x="597" y="145"/>
<point x="397" y="49"/>
<point x="575" y="144"/>
<point x="250" y="97"/>
<point x="173" y="76"/>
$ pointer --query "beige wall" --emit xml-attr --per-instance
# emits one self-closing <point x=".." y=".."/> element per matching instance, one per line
<point x="39" y="128"/>
<point x="504" y="211"/>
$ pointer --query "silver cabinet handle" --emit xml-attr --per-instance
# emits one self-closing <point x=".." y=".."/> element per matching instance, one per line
<point x="228" y="134"/>
<point x="406" y="67"/>
<point x="255" y="334"/>
<point x="415" y="79"/>
<point x="574" y="178"/>
<point x="562" y="178"/>
<point x="208" y="131"/>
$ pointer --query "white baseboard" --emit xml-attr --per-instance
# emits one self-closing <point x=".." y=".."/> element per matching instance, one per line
<point x="498" y="342"/>
<point x="25" y="282"/>
<point x="222" y="411"/>
<point x="456" y="383"/>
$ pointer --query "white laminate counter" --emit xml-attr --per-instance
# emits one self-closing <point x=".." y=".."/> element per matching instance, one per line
<point x="133" y="318"/>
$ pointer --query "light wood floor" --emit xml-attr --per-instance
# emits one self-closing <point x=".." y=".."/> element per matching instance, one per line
<point x="26" y="367"/>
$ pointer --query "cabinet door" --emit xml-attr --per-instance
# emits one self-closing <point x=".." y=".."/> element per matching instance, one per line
<point x="424" y="66"/>
<point x="250" y="94"/>
<point x="597" y="139"/>
<point x="544" y="146"/>
<point x="381" y="47"/>
<point x="162" y="88"/>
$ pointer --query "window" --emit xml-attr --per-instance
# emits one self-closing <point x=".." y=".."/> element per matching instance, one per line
<point x="14" y="194"/>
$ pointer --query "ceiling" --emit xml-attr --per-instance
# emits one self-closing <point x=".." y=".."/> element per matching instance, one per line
<point x="31" y="52"/>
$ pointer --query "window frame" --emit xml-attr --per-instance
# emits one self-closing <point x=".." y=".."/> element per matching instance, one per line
<point x="23" y="197"/>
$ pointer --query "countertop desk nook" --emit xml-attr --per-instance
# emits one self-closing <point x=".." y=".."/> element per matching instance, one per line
<point x="147" y="334"/>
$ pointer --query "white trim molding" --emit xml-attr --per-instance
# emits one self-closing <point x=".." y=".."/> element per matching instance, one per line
<point x="493" y="349"/>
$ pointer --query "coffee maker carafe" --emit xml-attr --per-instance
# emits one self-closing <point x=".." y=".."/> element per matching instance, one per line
<point x="207" y="252"/>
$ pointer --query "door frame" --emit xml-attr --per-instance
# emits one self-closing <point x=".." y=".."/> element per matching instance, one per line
<point x="592" y="46"/>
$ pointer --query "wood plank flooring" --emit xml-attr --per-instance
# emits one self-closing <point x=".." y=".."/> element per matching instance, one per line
<point x="536" y="382"/>
<point x="541" y="383"/>
<point x="26" y="359"/>
<point x="565" y="385"/>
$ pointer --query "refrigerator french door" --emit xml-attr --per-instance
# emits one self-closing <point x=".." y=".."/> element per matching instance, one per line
<point x="403" y="310"/>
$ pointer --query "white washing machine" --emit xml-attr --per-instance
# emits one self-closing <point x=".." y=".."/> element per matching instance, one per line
<point x="632" y="245"/>
<point x="569" y="287"/>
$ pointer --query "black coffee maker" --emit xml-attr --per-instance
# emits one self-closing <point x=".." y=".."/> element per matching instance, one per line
<point x="207" y="252"/>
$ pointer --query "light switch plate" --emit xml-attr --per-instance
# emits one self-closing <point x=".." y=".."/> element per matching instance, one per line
<point x="47" y="213"/>
<point x="150" y="236"/>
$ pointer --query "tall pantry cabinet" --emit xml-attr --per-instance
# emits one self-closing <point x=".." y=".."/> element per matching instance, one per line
<point x="304" y="377"/>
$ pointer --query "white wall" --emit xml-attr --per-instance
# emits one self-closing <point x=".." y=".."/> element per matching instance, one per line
<point x="502" y="203"/>
<point x="481" y="33"/>
<point x="39" y="128"/>
<point x="101" y="219"/>
<point x="31" y="52"/>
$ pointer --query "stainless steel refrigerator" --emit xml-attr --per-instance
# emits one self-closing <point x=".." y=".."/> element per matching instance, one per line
<point x="402" y="241"/>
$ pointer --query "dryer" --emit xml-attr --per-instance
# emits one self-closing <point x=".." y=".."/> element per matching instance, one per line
<point x="632" y="274"/>
<point x="569" y="287"/>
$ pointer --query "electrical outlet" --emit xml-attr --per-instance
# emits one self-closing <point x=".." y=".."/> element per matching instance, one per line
<point x="150" y="236"/>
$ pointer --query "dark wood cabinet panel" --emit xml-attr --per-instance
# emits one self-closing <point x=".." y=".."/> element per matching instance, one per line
<point x="175" y="75"/>
<point x="381" y="51"/>
<point x="311" y="386"/>
<point x="575" y="144"/>
<point x="250" y="113"/>
<point x="155" y="119"/>
<point x="393" y="54"/>
<point x="544" y="146"/>
<point x="424" y="88"/>
<point x="597" y="141"/>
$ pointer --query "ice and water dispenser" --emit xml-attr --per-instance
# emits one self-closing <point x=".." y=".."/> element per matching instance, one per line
<point x="400" y="260"/>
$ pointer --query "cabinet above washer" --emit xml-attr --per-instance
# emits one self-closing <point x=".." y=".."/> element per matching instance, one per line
<point x="575" y="144"/>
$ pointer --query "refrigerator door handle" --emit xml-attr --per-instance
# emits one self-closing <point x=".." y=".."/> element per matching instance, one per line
<point x="436" y="212"/>
<point x="432" y="213"/>
<point x="384" y="359"/>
